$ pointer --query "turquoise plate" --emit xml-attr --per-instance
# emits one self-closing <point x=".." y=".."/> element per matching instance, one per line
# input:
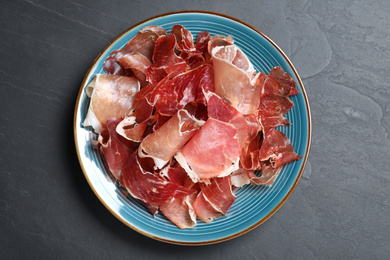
<point x="254" y="204"/>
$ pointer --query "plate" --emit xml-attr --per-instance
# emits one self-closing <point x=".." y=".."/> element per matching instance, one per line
<point x="254" y="204"/>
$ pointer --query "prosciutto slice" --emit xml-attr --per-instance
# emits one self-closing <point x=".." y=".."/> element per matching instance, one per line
<point x="180" y="210"/>
<point x="142" y="43"/>
<point x="275" y="103"/>
<point x="232" y="83"/>
<point x="171" y="95"/>
<point x="143" y="184"/>
<point x="211" y="152"/>
<point x="167" y="140"/>
<point x="215" y="199"/>
<point x="138" y="63"/>
<point x="111" y="96"/>
<point x="165" y="60"/>
<point x="278" y="149"/>
<point x="115" y="148"/>
<point x="219" y="109"/>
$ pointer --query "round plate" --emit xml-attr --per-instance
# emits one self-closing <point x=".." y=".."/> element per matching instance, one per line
<point x="254" y="204"/>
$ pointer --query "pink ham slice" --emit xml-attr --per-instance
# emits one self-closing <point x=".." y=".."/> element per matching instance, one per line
<point x="115" y="148"/>
<point x="167" y="140"/>
<point x="180" y="211"/>
<point x="211" y="151"/>
<point x="221" y="110"/>
<point x="111" y="96"/>
<point x="142" y="43"/>
<point x="143" y="184"/>
<point x="215" y="199"/>
<point x="232" y="83"/>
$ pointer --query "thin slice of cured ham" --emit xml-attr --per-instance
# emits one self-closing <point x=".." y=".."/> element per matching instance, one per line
<point x="280" y="83"/>
<point x="211" y="152"/>
<point x="221" y="110"/>
<point x="167" y="140"/>
<point x="115" y="148"/>
<point x="171" y="95"/>
<point x="165" y="60"/>
<point x="111" y="96"/>
<point x="250" y="154"/>
<point x="138" y="63"/>
<point x="215" y="199"/>
<point x="143" y="184"/>
<point x="275" y="103"/>
<point x="232" y="83"/>
<point x="243" y="177"/>
<point x="142" y="43"/>
<point x="278" y="149"/>
<point x="129" y="129"/>
<point x="180" y="211"/>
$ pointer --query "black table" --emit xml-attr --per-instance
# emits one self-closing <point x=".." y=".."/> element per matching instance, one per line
<point x="340" y="208"/>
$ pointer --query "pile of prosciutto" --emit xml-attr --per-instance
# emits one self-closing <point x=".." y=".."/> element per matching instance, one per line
<point x="182" y="125"/>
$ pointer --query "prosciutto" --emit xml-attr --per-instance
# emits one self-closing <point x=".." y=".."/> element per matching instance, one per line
<point x="215" y="199"/>
<point x="211" y="152"/>
<point x="278" y="149"/>
<point x="167" y="140"/>
<point x="143" y="184"/>
<point x="182" y="125"/>
<point x="275" y="103"/>
<point x="115" y="148"/>
<point x="232" y="83"/>
<point x="142" y="43"/>
<point x="221" y="110"/>
<point x="111" y="96"/>
<point x="171" y="95"/>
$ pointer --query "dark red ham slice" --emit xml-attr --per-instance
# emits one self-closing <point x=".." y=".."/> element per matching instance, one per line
<point x="115" y="148"/>
<point x="165" y="60"/>
<point x="275" y="103"/>
<point x="138" y="63"/>
<point x="278" y="149"/>
<point x="171" y="95"/>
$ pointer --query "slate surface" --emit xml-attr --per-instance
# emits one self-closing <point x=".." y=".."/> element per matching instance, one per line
<point x="339" y="210"/>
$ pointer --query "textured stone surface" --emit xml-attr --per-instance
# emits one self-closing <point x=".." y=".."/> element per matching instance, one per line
<point x="339" y="210"/>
